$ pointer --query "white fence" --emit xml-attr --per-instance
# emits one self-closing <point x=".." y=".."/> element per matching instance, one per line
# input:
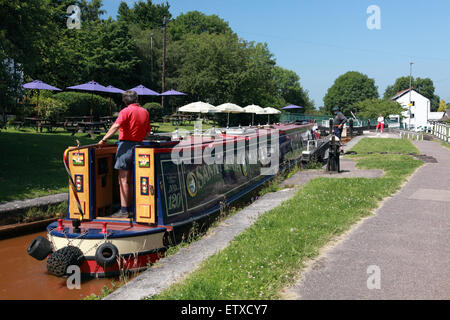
<point x="441" y="131"/>
<point x="411" y="135"/>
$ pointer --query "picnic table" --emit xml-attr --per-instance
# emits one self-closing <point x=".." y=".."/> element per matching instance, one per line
<point x="179" y="120"/>
<point x="93" y="127"/>
<point x="39" y="124"/>
<point x="109" y="120"/>
<point x="84" y="124"/>
<point x="154" y="127"/>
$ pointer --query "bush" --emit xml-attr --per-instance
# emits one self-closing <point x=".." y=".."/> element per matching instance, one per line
<point x="79" y="104"/>
<point x="155" y="110"/>
<point x="52" y="109"/>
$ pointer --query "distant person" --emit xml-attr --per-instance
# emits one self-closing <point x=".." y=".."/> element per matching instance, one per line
<point x="380" y="123"/>
<point x="133" y="124"/>
<point x="338" y="124"/>
<point x="339" y="121"/>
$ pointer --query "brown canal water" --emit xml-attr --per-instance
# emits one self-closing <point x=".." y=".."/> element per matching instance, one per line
<point x="25" y="278"/>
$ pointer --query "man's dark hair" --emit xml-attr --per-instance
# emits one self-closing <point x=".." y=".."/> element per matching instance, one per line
<point x="129" y="97"/>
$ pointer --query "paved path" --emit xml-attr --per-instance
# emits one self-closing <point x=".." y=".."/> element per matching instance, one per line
<point x="406" y="243"/>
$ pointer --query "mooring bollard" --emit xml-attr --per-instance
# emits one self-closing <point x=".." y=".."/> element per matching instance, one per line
<point x="333" y="164"/>
<point x="351" y="127"/>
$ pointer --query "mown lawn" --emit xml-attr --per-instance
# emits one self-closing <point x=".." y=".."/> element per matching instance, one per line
<point x="32" y="164"/>
<point x="445" y="144"/>
<point x="267" y="257"/>
<point x="389" y="145"/>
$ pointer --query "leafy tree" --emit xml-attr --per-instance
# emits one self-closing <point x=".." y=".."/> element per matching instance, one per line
<point x="144" y="14"/>
<point x="91" y="11"/>
<point x="196" y="22"/>
<point x="372" y="108"/>
<point x="289" y="89"/>
<point x="208" y="66"/>
<point x="424" y="86"/>
<point x="149" y="44"/>
<point x="442" y="106"/>
<point x="23" y="26"/>
<point x="349" y="89"/>
<point x="102" y="51"/>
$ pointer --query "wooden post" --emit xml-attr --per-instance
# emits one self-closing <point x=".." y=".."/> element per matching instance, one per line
<point x="163" y="64"/>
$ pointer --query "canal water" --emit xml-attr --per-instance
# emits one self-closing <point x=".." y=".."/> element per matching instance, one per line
<point x="25" y="278"/>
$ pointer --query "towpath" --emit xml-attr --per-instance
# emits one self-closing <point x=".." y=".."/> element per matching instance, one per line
<point x="402" y="252"/>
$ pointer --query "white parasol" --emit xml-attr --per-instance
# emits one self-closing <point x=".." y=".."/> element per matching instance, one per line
<point x="254" y="109"/>
<point x="229" y="108"/>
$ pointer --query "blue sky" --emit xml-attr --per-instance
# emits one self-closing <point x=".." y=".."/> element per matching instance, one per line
<point x="322" y="39"/>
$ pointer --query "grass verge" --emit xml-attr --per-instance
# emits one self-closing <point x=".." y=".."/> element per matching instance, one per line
<point x="445" y="144"/>
<point x="388" y="145"/>
<point x="267" y="257"/>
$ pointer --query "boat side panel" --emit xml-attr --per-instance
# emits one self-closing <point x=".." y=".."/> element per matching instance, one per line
<point x="190" y="189"/>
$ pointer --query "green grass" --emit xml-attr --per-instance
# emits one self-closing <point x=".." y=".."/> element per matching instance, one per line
<point x="32" y="164"/>
<point x="389" y="145"/>
<point x="168" y="127"/>
<point x="265" y="258"/>
<point x="445" y="144"/>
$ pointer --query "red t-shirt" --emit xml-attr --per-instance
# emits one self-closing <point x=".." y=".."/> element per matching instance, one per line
<point x="134" y="123"/>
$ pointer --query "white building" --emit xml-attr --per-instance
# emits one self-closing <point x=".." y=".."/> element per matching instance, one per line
<point x="417" y="108"/>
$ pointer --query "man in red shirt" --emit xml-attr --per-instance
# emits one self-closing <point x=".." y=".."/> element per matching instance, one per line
<point x="133" y="124"/>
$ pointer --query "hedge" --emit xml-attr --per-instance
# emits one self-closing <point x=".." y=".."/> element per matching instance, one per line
<point x="79" y="104"/>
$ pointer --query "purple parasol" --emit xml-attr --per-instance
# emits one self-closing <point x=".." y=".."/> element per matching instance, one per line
<point x="292" y="106"/>
<point x="112" y="89"/>
<point x="143" y="91"/>
<point x="39" y="85"/>
<point x="173" y="93"/>
<point x="90" y="86"/>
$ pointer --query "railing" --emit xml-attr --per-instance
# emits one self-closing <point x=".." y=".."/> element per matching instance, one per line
<point x="441" y="131"/>
<point x="324" y="120"/>
<point x="410" y="135"/>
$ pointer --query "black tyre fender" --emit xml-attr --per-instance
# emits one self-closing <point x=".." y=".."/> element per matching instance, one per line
<point x="106" y="254"/>
<point x="39" y="248"/>
<point x="60" y="260"/>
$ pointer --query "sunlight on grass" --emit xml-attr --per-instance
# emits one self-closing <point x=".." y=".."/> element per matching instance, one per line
<point x="389" y="145"/>
<point x="266" y="257"/>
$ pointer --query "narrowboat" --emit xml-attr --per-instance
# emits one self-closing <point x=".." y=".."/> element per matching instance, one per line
<point x="177" y="179"/>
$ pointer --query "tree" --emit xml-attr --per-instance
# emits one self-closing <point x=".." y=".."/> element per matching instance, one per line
<point x="289" y="90"/>
<point x="195" y="22"/>
<point x="372" y="108"/>
<point x="23" y="27"/>
<point x="145" y="14"/>
<point x="101" y="51"/>
<point x="424" y="86"/>
<point x="349" y="89"/>
<point x="442" y="106"/>
<point x="91" y="11"/>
